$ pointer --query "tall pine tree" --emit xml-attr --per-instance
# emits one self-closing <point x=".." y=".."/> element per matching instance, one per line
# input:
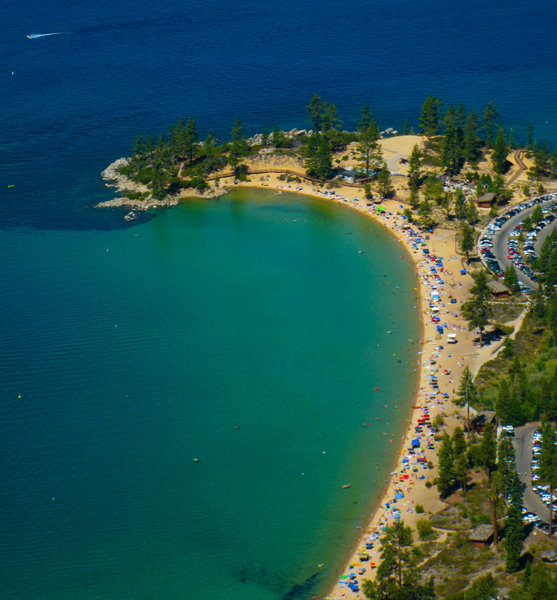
<point x="500" y="153"/>
<point x="429" y="120"/>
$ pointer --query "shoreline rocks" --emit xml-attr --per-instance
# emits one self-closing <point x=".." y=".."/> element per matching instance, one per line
<point x="123" y="185"/>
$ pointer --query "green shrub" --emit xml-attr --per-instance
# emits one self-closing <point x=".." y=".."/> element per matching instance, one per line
<point x="425" y="530"/>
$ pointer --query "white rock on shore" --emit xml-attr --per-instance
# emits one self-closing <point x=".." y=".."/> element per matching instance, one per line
<point x="114" y="179"/>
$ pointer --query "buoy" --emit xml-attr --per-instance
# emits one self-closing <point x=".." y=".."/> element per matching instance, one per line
<point x="196" y="460"/>
<point x="376" y="389"/>
<point x="11" y="185"/>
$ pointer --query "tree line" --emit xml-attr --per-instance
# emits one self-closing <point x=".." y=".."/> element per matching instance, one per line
<point x="179" y="158"/>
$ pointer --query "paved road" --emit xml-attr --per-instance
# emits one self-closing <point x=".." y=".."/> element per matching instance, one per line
<point x="500" y="246"/>
<point x="522" y="442"/>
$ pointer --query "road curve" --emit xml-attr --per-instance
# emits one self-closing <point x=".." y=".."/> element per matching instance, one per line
<point x="522" y="443"/>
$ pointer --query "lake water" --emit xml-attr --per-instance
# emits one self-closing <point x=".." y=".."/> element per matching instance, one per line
<point x="137" y="348"/>
<point x="248" y="333"/>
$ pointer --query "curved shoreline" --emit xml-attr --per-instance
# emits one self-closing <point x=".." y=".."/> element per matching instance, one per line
<point x="441" y="243"/>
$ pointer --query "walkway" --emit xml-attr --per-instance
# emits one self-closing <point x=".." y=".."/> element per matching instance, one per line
<point x="521" y="167"/>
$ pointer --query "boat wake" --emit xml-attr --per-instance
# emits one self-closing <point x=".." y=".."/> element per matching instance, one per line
<point x="32" y="36"/>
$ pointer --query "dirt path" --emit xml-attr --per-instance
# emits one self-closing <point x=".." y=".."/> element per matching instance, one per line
<point x="521" y="167"/>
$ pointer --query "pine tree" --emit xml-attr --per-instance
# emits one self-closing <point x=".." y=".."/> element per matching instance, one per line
<point x="490" y="117"/>
<point x="459" y="450"/>
<point x="190" y="138"/>
<point x="460" y="205"/>
<point x="446" y="475"/>
<point x="472" y="215"/>
<point x="329" y="119"/>
<point x="472" y="143"/>
<point x="478" y="310"/>
<point x="139" y="147"/>
<point x="414" y="198"/>
<point x="467" y="394"/>
<point x="449" y="121"/>
<point x="500" y="153"/>
<point x="541" y="160"/>
<point x="315" y="108"/>
<point x="406" y="128"/>
<point x="150" y="145"/>
<point x="365" y="118"/>
<point x="429" y="120"/>
<point x="278" y="138"/>
<point x="318" y="156"/>
<point x="209" y="144"/>
<point x="160" y="151"/>
<point x="514" y="532"/>
<point x="503" y="403"/>
<point x="516" y="489"/>
<point x="384" y="184"/>
<point x="369" y="151"/>
<point x="324" y="159"/>
<point x="488" y="449"/>
<point x="512" y="141"/>
<point x="511" y="279"/>
<point x="460" y="116"/>
<point x="506" y="466"/>
<point x="493" y="493"/>
<point x="467" y="240"/>
<point x="553" y="162"/>
<point x="426" y="212"/>
<point x="175" y="136"/>
<point x="452" y="158"/>
<point x="537" y="214"/>
<point x="238" y="145"/>
<point x="445" y="204"/>
<point x="530" y="136"/>
<point x="397" y="576"/>
<point x="415" y="174"/>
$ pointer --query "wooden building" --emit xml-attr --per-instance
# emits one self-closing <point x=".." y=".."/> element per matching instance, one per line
<point x="481" y="536"/>
<point x="498" y="289"/>
<point x="479" y="422"/>
<point x="486" y="200"/>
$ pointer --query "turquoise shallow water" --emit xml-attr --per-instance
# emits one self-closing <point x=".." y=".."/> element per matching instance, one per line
<point x="248" y="332"/>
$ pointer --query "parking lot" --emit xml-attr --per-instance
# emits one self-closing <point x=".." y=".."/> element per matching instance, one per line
<point x="526" y="442"/>
<point x="498" y="244"/>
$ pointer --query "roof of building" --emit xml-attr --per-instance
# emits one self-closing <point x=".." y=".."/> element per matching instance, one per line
<point x="486" y="416"/>
<point x="497" y="287"/>
<point x="481" y="533"/>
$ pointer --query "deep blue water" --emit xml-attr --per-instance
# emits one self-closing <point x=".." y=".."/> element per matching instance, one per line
<point x="76" y="100"/>
<point x="116" y="342"/>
